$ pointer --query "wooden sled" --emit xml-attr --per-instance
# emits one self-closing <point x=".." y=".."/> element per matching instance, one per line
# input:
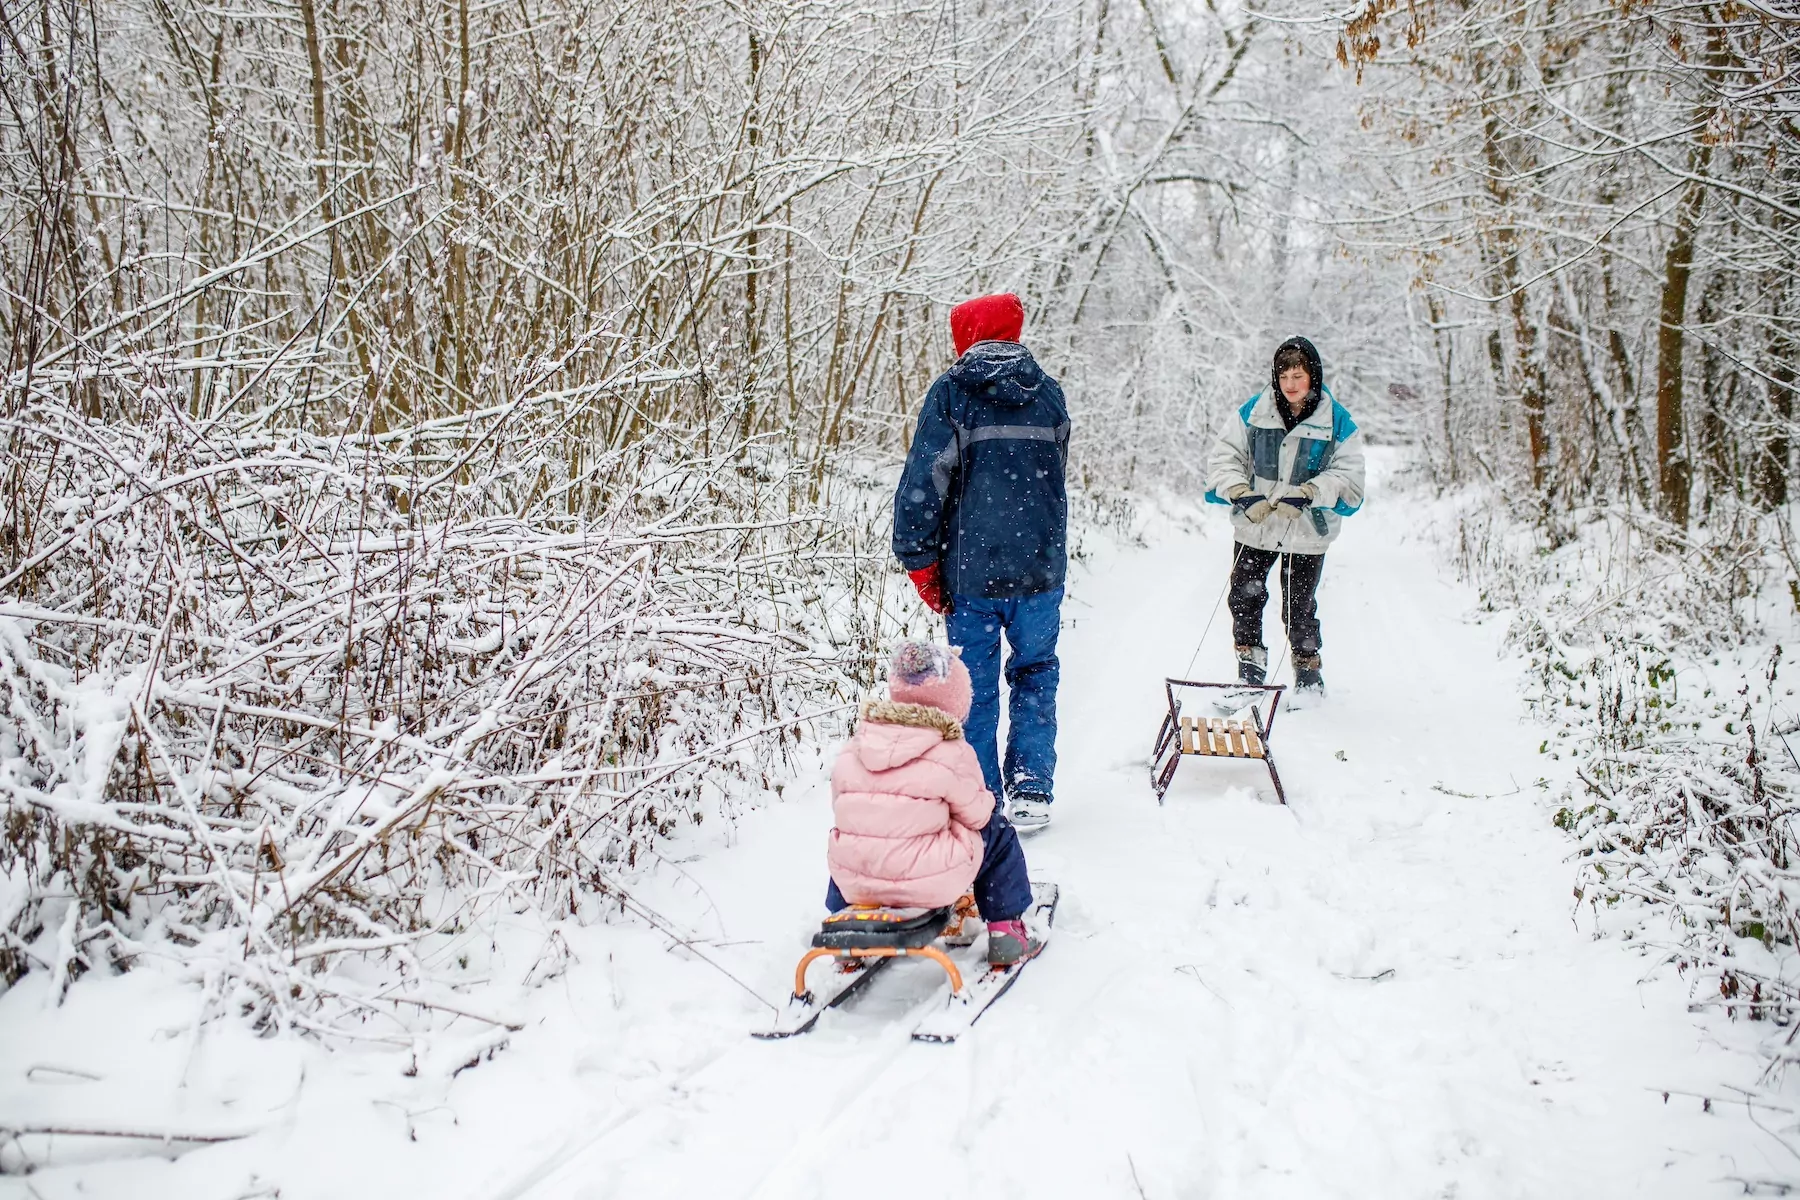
<point x="1214" y="737"/>
<point x="870" y="931"/>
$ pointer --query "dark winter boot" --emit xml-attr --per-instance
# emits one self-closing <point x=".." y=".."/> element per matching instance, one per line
<point x="1308" y="681"/>
<point x="1253" y="664"/>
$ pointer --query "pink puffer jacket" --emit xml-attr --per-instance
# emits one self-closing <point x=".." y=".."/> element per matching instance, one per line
<point x="909" y="802"/>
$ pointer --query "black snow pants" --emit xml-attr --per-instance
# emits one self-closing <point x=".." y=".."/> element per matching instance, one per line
<point x="1299" y="596"/>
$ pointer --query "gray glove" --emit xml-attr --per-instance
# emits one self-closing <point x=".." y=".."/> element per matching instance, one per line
<point x="1298" y="503"/>
<point x="1256" y="508"/>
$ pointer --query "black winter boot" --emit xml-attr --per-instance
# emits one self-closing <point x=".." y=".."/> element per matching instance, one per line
<point x="1253" y="664"/>
<point x="1307" y="674"/>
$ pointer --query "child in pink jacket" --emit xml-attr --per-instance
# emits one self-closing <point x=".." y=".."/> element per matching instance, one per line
<point x="915" y="825"/>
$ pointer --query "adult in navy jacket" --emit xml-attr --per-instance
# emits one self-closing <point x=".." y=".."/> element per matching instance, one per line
<point x="981" y="526"/>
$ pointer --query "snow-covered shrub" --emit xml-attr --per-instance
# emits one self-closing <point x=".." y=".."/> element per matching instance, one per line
<point x="1657" y="656"/>
<point x="283" y="710"/>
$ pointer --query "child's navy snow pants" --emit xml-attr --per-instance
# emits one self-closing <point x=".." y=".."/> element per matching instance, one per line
<point x="1002" y="889"/>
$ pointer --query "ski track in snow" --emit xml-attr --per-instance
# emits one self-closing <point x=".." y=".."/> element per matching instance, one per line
<point x="1378" y="991"/>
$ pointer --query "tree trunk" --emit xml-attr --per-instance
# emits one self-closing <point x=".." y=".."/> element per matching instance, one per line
<point x="1674" y="469"/>
<point x="752" y="249"/>
<point x="1711" y="441"/>
<point x="1445" y="346"/>
<point x="1533" y="389"/>
<point x="1774" y="482"/>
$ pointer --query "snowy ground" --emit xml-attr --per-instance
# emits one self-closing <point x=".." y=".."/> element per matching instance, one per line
<point x="1377" y="991"/>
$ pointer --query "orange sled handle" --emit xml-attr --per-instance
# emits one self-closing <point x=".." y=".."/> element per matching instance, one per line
<point x="931" y="952"/>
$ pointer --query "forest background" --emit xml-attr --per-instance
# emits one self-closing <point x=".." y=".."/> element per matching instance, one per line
<point x="446" y="443"/>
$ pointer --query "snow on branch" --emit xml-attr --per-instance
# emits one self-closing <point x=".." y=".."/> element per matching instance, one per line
<point x="300" y="718"/>
<point x="1648" y="660"/>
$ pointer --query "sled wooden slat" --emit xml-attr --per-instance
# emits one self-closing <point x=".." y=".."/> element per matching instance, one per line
<point x="1214" y="737"/>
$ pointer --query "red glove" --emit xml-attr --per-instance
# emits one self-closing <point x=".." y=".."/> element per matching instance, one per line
<point x="930" y="583"/>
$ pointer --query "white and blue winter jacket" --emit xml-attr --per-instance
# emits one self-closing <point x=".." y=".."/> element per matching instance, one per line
<point x="1255" y="448"/>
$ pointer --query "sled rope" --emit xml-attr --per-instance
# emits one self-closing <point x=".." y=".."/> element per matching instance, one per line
<point x="1287" y="611"/>
<point x="1237" y="550"/>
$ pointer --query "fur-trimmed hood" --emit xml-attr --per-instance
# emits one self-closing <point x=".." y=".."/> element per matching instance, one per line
<point x="921" y="716"/>
<point x="893" y="734"/>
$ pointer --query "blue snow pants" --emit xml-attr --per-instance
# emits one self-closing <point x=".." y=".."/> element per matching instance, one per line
<point x="1002" y="888"/>
<point x="1031" y="624"/>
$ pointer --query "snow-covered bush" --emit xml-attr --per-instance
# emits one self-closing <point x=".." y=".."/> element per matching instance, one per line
<point x="1658" y="657"/>
<point x="280" y="709"/>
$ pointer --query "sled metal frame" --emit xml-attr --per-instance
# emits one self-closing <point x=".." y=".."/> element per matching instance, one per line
<point x="1172" y="747"/>
<point x="804" y="994"/>
<point x="847" y="936"/>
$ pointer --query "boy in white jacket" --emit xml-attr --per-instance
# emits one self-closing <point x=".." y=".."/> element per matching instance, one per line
<point x="1289" y="462"/>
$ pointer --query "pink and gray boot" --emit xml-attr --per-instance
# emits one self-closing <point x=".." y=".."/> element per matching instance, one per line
<point x="1010" y="943"/>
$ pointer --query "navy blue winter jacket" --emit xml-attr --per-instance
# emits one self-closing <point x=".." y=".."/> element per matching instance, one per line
<point x="983" y="487"/>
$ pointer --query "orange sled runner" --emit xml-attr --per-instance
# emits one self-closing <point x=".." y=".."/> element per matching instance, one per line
<point x="863" y="939"/>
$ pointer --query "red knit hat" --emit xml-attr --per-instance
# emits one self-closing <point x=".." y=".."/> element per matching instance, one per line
<point x="997" y="318"/>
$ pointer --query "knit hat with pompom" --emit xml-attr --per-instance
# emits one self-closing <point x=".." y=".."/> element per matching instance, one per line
<point x="927" y="673"/>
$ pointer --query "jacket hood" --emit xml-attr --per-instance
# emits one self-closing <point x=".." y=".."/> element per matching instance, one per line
<point x="882" y="747"/>
<point x="1000" y="317"/>
<point x="1314" y="367"/>
<point x="892" y="734"/>
<point x="1000" y="371"/>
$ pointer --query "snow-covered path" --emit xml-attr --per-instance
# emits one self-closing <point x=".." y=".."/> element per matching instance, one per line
<point x="1376" y="992"/>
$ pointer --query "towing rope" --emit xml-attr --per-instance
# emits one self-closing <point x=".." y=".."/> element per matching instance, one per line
<point x="1284" y="575"/>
